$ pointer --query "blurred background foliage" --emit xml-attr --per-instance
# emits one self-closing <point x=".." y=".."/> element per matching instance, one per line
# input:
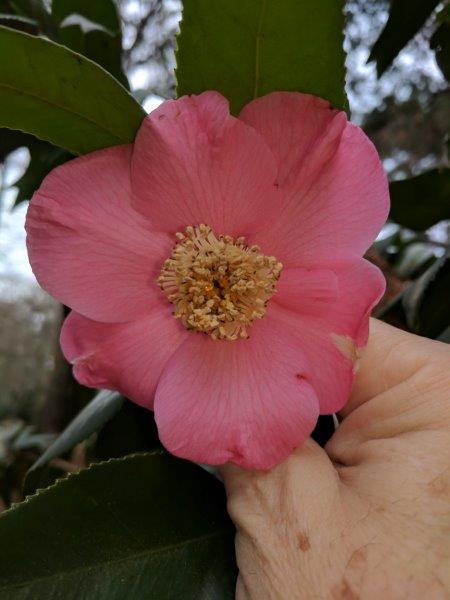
<point x="398" y="61"/>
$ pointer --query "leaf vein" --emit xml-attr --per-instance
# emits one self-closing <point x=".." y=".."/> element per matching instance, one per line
<point x="63" y="108"/>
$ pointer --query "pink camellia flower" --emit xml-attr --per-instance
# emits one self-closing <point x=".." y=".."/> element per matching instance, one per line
<point x="215" y="271"/>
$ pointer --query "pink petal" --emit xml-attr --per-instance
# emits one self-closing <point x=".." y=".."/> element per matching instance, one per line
<point x="333" y="335"/>
<point x="309" y="291"/>
<point x="361" y="286"/>
<point x="193" y="163"/>
<point x="127" y="357"/>
<point x="335" y="193"/>
<point x="328" y="369"/>
<point x="244" y="401"/>
<point x="87" y="246"/>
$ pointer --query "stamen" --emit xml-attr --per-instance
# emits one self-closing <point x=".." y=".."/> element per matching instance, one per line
<point x="218" y="284"/>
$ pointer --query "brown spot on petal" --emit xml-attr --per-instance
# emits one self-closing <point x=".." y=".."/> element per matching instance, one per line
<point x="346" y="345"/>
<point x="303" y="542"/>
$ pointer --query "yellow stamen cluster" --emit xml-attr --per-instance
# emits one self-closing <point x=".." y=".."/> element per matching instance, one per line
<point x="217" y="284"/>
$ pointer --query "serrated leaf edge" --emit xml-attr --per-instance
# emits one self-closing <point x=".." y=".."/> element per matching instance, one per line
<point x="62" y="480"/>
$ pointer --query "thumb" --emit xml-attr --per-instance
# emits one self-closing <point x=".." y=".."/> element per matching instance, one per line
<point x="392" y="357"/>
<point x="402" y="385"/>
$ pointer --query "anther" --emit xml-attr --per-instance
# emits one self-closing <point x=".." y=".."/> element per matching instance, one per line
<point x="217" y="284"/>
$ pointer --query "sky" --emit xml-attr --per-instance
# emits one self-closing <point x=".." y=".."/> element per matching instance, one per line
<point x="365" y="94"/>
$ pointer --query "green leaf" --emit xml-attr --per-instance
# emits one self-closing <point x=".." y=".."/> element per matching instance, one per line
<point x="20" y="23"/>
<point x="104" y="12"/>
<point x="445" y="336"/>
<point x="92" y="418"/>
<point x="146" y="526"/>
<point x="92" y="29"/>
<point x="426" y="300"/>
<point x="440" y="42"/>
<point x="392" y="312"/>
<point x="406" y="18"/>
<point x="62" y="97"/>
<point x="132" y="429"/>
<point x="37" y="11"/>
<point x="422" y="201"/>
<point x="245" y="49"/>
<point x="43" y="158"/>
<point x="414" y="259"/>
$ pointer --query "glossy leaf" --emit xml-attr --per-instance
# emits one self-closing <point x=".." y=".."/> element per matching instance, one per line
<point x="92" y="29"/>
<point x="422" y="201"/>
<point x="92" y="418"/>
<point x="406" y="18"/>
<point x="248" y="49"/>
<point x="43" y="158"/>
<point x="426" y="300"/>
<point x="146" y="526"/>
<point x="62" y="97"/>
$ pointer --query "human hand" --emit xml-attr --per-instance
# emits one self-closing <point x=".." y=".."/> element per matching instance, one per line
<point x="369" y="515"/>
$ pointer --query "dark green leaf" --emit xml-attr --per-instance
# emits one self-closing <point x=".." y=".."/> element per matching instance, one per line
<point x="100" y="46"/>
<point x="43" y="158"/>
<point x="426" y="300"/>
<point x="392" y="312"/>
<point x="146" y="526"/>
<point x="406" y="18"/>
<point x="92" y="418"/>
<point x="92" y="29"/>
<point x="104" y="13"/>
<point x="62" y="97"/>
<point x="248" y="49"/>
<point x="37" y="11"/>
<point x="132" y="429"/>
<point x="445" y="336"/>
<point x="422" y="201"/>
<point x="414" y="259"/>
<point x="440" y="42"/>
<point x="20" y="23"/>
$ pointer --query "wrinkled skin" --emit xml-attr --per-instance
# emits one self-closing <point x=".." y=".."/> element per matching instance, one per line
<point x="369" y="516"/>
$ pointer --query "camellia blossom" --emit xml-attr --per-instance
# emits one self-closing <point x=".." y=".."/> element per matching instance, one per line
<point x="215" y="271"/>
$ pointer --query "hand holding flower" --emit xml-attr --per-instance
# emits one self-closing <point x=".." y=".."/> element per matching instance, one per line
<point x="368" y="516"/>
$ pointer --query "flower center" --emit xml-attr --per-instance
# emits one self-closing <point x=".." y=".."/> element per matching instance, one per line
<point x="218" y="284"/>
